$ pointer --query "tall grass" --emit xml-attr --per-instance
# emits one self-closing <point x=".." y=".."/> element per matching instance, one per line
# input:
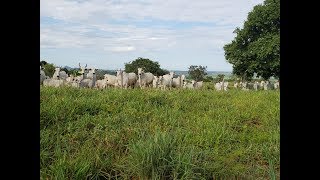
<point x="153" y="134"/>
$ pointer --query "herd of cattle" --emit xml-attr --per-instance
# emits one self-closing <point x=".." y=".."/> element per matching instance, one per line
<point x="88" y="79"/>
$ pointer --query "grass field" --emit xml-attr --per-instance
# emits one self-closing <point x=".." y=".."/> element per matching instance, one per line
<point x="153" y="134"/>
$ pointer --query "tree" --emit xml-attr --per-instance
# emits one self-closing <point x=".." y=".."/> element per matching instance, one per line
<point x="147" y="64"/>
<point x="65" y="70"/>
<point x="256" y="47"/>
<point x="220" y="77"/>
<point x="197" y="72"/>
<point x="208" y="79"/>
<point x="49" y="69"/>
<point x="42" y="63"/>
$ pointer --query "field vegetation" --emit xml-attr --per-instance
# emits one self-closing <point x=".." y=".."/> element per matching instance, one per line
<point x="155" y="134"/>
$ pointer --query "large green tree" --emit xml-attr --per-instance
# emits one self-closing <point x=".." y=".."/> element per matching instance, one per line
<point x="147" y="64"/>
<point x="197" y="72"/>
<point x="256" y="47"/>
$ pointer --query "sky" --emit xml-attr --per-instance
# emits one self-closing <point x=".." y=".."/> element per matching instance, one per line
<point x="106" y="34"/>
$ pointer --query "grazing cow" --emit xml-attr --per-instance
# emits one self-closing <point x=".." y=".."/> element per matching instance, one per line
<point x="166" y="80"/>
<point x="178" y="82"/>
<point x="126" y="79"/>
<point x="144" y="79"/>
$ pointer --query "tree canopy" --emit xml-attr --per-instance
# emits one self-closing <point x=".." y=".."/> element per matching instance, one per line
<point x="147" y="64"/>
<point x="49" y="69"/>
<point x="256" y="47"/>
<point x="197" y="72"/>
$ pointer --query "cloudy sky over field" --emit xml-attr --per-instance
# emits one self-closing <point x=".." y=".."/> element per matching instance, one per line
<point x="107" y="33"/>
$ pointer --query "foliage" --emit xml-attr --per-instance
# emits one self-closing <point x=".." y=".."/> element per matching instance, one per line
<point x="74" y="72"/>
<point x="49" y="69"/>
<point x="208" y="79"/>
<point x="154" y="134"/>
<point x="65" y="70"/>
<point x="42" y="63"/>
<point x="256" y="47"/>
<point x="197" y="72"/>
<point x="147" y="64"/>
<point x="220" y="77"/>
<point x="100" y="73"/>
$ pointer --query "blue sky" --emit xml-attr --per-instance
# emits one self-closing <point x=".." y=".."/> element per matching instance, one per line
<point x="105" y="34"/>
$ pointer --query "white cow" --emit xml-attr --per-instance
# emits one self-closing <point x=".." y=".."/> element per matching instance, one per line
<point x="87" y="83"/>
<point x="198" y="84"/>
<point x="218" y="86"/>
<point x="225" y="86"/>
<point x="256" y="86"/>
<point x="70" y="78"/>
<point x="166" y="80"/>
<point x="54" y="82"/>
<point x="244" y="86"/>
<point x="159" y="85"/>
<point x="91" y="73"/>
<point x="90" y="79"/>
<point x="155" y="82"/>
<point x="235" y="85"/>
<point x="83" y="73"/>
<point x="58" y="74"/>
<point x="111" y="80"/>
<point x="187" y="85"/>
<point x="63" y="75"/>
<point x="267" y="86"/>
<point x="126" y="79"/>
<point x="178" y="82"/>
<point x="144" y="79"/>
<point x="42" y="75"/>
<point x="276" y="85"/>
<point x="262" y="83"/>
<point x="101" y="84"/>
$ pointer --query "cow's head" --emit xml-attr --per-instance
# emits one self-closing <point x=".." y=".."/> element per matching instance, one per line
<point x="140" y="71"/>
<point x="83" y="69"/>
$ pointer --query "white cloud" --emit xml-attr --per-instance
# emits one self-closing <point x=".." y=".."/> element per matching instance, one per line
<point x="177" y="10"/>
<point x="122" y="49"/>
<point x="91" y="25"/>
